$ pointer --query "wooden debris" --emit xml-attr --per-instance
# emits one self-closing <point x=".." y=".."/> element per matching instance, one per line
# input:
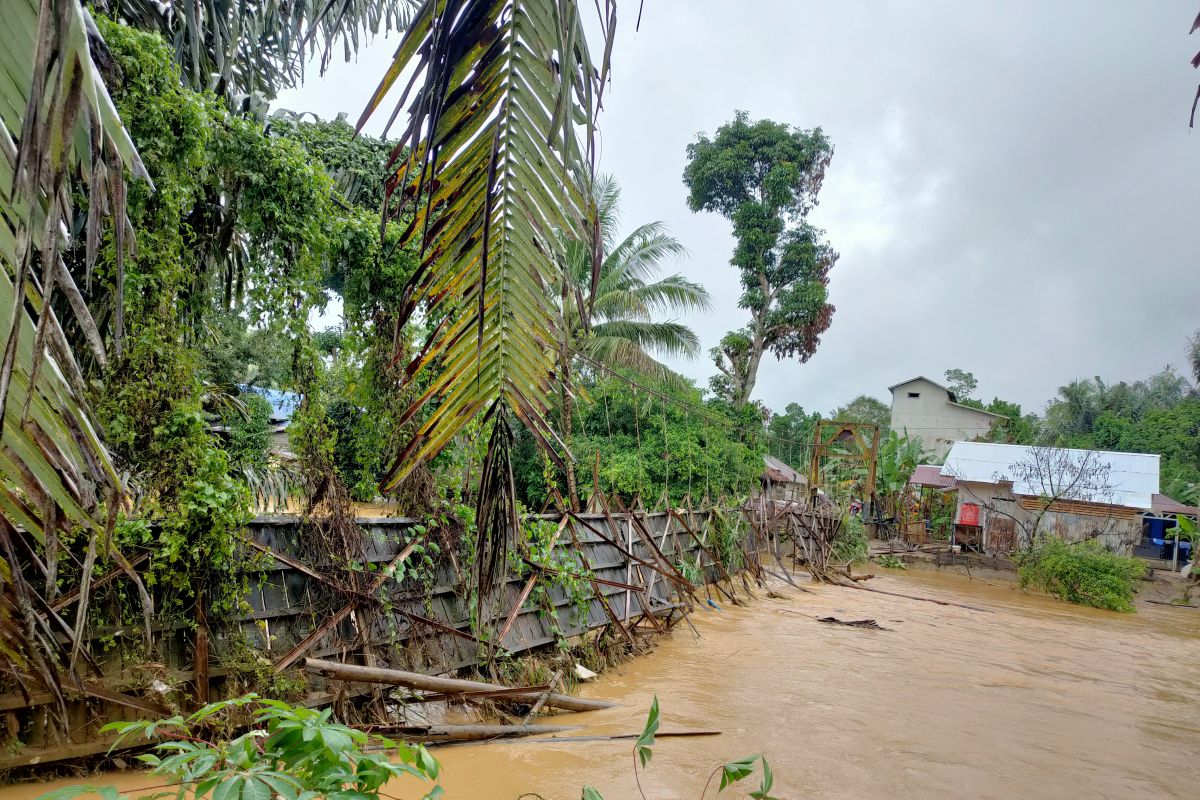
<point x="1170" y="604"/>
<point x="869" y="624"/>
<point x="466" y="733"/>
<point x="430" y="683"/>
<point x="620" y="737"/>
<point x="916" y="597"/>
<point x="541" y="701"/>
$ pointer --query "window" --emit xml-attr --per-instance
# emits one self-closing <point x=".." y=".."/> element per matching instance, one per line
<point x="914" y="394"/>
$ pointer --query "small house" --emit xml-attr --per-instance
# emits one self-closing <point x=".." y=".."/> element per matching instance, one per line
<point x="926" y="410"/>
<point x="780" y="481"/>
<point x="1008" y="493"/>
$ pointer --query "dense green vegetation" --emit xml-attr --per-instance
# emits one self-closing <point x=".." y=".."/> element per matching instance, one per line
<point x="1081" y="572"/>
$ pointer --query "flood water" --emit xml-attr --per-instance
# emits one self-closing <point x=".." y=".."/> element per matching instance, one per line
<point x="1029" y="698"/>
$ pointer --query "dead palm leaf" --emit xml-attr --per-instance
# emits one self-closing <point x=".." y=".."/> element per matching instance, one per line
<point x="493" y="167"/>
<point x="57" y="122"/>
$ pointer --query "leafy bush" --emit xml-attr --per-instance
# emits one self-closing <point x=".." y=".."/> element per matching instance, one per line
<point x="292" y="753"/>
<point x="850" y="544"/>
<point x="249" y="439"/>
<point x="1082" y="572"/>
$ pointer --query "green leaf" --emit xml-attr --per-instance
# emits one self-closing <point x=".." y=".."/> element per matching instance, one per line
<point x="229" y="789"/>
<point x="768" y="780"/>
<point x="256" y="789"/>
<point x="734" y="771"/>
<point x="71" y="792"/>
<point x="590" y="794"/>
<point x="646" y="740"/>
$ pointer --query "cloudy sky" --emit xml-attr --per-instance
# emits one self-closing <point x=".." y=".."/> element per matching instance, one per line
<point x="1015" y="190"/>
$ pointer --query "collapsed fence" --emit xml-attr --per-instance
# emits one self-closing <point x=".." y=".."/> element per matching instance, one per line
<point x="397" y="605"/>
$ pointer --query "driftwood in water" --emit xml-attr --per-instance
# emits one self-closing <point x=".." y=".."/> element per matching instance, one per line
<point x="623" y="736"/>
<point x="1171" y="605"/>
<point x="430" y="683"/>
<point x="916" y="597"/>
<point x="467" y="733"/>
<point x="468" y="697"/>
<point x="541" y="701"/>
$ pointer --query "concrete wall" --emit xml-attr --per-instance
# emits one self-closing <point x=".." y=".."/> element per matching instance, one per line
<point x="932" y="418"/>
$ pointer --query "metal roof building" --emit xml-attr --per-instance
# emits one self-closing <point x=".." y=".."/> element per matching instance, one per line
<point x="1132" y="478"/>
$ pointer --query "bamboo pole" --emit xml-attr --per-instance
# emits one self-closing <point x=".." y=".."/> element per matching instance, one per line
<point x="431" y="683"/>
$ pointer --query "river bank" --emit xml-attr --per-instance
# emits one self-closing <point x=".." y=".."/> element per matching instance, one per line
<point x="1029" y="697"/>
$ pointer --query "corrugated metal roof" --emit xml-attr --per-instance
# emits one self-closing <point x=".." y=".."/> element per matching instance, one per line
<point x="892" y="388"/>
<point x="1161" y="504"/>
<point x="1132" y="477"/>
<point x="931" y="475"/>
<point x="780" y="472"/>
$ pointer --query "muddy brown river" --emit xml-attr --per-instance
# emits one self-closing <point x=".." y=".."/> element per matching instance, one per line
<point x="1027" y="698"/>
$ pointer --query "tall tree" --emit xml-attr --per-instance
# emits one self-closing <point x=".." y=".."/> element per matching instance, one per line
<point x="765" y="176"/>
<point x="1193" y="356"/>
<point x="866" y="410"/>
<point x="961" y="383"/>
<point x="790" y="434"/>
<point x="617" y="327"/>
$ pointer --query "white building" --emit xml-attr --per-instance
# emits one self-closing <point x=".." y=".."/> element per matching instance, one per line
<point x="925" y="410"/>
<point x="1006" y="491"/>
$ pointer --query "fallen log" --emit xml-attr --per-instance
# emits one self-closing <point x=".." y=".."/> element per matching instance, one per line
<point x="466" y="697"/>
<point x="467" y="733"/>
<point x="431" y="683"/>
<point x="915" y="597"/>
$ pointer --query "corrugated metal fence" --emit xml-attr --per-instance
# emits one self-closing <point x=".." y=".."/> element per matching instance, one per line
<point x="393" y="606"/>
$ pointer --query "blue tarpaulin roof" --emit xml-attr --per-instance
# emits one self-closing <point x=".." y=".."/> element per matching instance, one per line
<point x="283" y="404"/>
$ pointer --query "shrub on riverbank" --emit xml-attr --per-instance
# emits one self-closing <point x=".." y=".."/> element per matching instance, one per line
<point x="850" y="543"/>
<point x="1081" y="572"/>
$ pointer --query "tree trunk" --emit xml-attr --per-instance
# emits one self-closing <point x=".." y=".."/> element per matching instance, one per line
<point x="568" y="407"/>
<point x="753" y="361"/>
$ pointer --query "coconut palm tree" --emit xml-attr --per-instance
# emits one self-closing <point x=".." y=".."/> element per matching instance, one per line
<point x="618" y="328"/>
<point x="614" y="326"/>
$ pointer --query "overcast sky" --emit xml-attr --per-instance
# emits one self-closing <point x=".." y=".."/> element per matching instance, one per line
<point x="1015" y="190"/>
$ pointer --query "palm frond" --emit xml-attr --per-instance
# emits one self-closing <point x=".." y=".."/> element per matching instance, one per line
<point x="615" y="352"/>
<point x="242" y="48"/>
<point x="674" y="293"/>
<point x="668" y="338"/>
<point x="493" y="167"/>
<point x="641" y="254"/>
<point x="58" y="122"/>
